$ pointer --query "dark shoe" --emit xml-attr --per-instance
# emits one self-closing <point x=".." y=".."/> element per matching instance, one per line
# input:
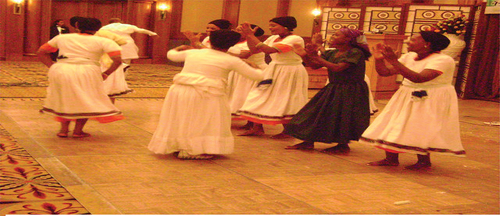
<point x="383" y="162"/>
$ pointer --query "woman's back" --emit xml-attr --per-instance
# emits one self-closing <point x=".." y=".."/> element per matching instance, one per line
<point x="82" y="46"/>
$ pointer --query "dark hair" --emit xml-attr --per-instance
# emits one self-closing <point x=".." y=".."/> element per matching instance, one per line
<point x="74" y="20"/>
<point x="221" y="23"/>
<point x="89" y="24"/>
<point x="224" y="38"/>
<point x="56" y="21"/>
<point x="287" y="21"/>
<point x="438" y="41"/>
<point x="259" y="31"/>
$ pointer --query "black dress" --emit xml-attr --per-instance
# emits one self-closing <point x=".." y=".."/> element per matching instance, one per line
<point x="339" y="112"/>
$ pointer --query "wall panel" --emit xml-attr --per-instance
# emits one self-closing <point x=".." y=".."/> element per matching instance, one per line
<point x="266" y="10"/>
<point x="32" y="29"/>
<point x="142" y="18"/>
<point x="3" y="22"/>
<point x="197" y="13"/>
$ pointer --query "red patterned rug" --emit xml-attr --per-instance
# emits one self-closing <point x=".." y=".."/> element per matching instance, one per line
<point x="26" y="187"/>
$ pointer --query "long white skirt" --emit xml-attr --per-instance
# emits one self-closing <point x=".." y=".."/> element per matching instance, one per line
<point x="115" y="84"/>
<point x="76" y="91"/>
<point x="278" y="103"/>
<point x="193" y="120"/>
<point x="418" y="125"/>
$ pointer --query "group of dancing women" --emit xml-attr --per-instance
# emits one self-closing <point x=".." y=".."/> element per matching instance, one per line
<point x="225" y="77"/>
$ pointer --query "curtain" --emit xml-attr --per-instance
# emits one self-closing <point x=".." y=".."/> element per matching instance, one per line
<point x="484" y="82"/>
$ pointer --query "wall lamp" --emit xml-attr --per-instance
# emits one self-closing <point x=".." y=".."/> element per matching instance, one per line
<point x="316" y="12"/>
<point x="17" y="6"/>
<point x="163" y="10"/>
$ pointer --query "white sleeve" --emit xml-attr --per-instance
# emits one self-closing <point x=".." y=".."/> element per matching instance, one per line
<point x="239" y="66"/>
<point x="144" y="31"/>
<point x="176" y="56"/>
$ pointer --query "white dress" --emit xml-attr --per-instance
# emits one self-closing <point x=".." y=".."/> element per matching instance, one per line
<point x="238" y="85"/>
<point x="76" y="87"/>
<point x="115" y="84"/>
<point x="130" y="50"/>
<point x="414" y="123"/>
<point x="280" y="101"/>
<point x="195" y="116"/>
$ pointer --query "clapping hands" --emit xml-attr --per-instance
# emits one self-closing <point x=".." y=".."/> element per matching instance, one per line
<point x="382" y="51"/>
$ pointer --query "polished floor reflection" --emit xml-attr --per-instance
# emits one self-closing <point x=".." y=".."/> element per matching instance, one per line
<point x="113" y="172"/>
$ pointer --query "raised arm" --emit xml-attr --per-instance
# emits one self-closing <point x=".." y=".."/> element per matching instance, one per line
<point x="312" y="59"/>
<point x="399" y="68"/>
<point x="254" y="43"/>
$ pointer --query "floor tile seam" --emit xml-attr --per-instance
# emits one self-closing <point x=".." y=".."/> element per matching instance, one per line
<point x="270" y="187"/>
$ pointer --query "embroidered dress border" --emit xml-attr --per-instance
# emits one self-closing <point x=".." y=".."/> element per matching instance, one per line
<point x="82" y="115"/>
<point x="263" y="119"/>
<point x="121" y="93"/>
<point x="398" y="148"/>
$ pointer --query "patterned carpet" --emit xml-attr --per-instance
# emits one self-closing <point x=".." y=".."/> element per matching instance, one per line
<point x="26" y="187"/>
<point x="29" y="79"/>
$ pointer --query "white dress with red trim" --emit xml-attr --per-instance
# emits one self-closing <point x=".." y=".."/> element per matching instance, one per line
<point x="238" y="85"/>
<point x="278" y="102"/>
<point x="115" y="84"/>
<point x="420" y="118"/>
<point x="195" y="116"/>
<point x="76" y="87"/>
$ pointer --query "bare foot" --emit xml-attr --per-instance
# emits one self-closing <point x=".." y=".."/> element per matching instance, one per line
<point x="81" y="135"/>
<point x="62" y="134"/>
<point x="338" y="149"/>
<point x="247" y="126"/>
<point x="302" y="146"/>
<point x="383" y="162"/>
<point x="252" y="133"/>
<point x="281" y="136"/>
<point x="418" y="166"/>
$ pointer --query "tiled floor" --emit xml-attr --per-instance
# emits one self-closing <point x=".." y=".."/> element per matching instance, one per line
<point x="112" y="172"/>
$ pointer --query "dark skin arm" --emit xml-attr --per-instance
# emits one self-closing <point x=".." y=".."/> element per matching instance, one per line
<point x="310" y="57"/>
<point x="252" y="41"/>
<point x="397" y="68"/>
<point x="44" y="57"/>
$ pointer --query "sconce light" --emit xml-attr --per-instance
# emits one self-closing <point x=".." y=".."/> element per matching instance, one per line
<point x="17" y="6"/>
<point x="316" y="12"/>
<point x="163" y="10"/>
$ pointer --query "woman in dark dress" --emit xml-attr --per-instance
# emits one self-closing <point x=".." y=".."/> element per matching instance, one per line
<point x="340" y="111"/>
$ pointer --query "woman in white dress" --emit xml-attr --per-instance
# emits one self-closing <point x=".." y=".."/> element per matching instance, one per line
<point x="284" y="91"/>
<point x="238" y="85"/>
<point x="76" y="89"/>
<point x="115" y="84"/>
<point x="422" y="116"/>
<point x="214" y="25"/>
<point x="195" y="120"/>
<point x="130" y="50"/>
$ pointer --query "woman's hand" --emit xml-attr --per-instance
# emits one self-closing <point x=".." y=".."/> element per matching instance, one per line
<point x="377" y="51"/>
<point x="389" y="54"/>
<point x="317" y="38"/>
<point x="299" y="50"/>
<point x="183" y="47"/>
<point x="191" y="36"/>
<point x="246" y="29"/>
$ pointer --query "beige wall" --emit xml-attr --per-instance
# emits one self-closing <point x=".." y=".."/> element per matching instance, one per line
<point x="258" y="12"/>
<point x="196" y="14"/>
<point x="302" y="11"/>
